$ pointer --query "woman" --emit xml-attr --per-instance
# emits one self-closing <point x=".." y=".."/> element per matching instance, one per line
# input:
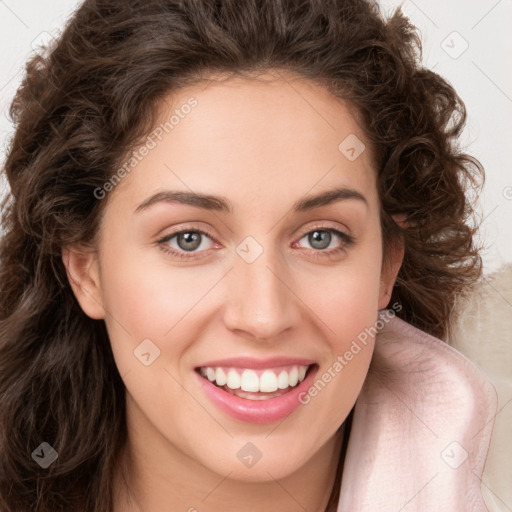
<point x="228" y="222"/>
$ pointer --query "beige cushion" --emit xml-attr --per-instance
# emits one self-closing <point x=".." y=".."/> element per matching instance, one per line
<point x="483" y="332"/>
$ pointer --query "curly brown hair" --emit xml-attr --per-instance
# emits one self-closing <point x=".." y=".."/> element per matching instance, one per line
<point x="81" y="108"/>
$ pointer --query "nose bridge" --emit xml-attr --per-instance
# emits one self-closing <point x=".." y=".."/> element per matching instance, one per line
<point x="260" y="302"/>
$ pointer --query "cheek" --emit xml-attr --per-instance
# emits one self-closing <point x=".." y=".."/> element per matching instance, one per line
<point x="348" y="310"/>
<point x="148" y="299"/>
<point x="347" y="299"/>
<point x="347" y="304"/>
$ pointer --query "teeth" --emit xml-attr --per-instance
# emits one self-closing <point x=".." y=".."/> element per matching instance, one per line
<point x="233" y="381"/>
<point x="250" y="381"/>
<point x="282" y="380"/>
<point x="210" y="374"/>
<point x="294" y="376"/>
<point x="220" y="377"/>
<point x="267" y="381"/>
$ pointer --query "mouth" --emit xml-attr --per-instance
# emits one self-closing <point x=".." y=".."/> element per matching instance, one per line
<point x="256" y="384"/>
<point x="256" y="394"/>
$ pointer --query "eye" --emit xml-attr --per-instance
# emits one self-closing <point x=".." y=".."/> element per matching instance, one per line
<point x="319" y="239"/>
<point x="327" y="241"/>
<point x="189" y="243"/>
<point x="186" y="241"/>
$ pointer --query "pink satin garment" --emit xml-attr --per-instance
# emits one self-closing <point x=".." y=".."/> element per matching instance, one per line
<point x="419" y="440"/>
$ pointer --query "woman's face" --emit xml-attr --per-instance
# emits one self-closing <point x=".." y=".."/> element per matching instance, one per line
<point x="243" y="249"/>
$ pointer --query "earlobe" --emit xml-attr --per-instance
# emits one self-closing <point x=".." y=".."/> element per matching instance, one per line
<point x="82" y="269"/>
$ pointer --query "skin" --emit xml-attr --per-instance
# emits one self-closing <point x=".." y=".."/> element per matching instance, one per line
<point x="261" y="144"/>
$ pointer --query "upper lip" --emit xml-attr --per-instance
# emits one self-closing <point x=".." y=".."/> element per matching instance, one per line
<point x="250" y="362"/>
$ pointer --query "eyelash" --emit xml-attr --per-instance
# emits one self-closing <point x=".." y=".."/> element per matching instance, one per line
<point x="347" y="241"/>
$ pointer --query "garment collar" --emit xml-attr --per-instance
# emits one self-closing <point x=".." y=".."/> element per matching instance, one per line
<point x="421" y="430"/>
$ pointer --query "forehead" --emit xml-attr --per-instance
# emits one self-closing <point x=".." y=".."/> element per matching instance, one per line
<point x="272" y="107"/>
<point x="276" y="133"/>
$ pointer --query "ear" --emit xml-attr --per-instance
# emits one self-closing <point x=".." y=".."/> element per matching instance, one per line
<point x="391" y="266"/>
<point x="82" y="269"/>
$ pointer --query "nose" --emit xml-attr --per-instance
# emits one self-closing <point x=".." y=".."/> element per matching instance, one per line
<point x="262" y="302"/>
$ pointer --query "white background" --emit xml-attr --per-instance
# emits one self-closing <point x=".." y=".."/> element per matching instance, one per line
<point x="481" y="74"/>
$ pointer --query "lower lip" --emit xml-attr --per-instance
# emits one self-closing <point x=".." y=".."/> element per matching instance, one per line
<point x="257" y="411"/>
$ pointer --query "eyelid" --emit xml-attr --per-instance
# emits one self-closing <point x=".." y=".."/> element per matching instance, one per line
<point x="346" y="241"/>
<point x="188" y="227"/>
<point x="208" y="232"/>
<point x="325" y="227"/>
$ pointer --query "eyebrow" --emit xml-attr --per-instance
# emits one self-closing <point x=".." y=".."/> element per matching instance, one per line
<point x="221" y="204"/>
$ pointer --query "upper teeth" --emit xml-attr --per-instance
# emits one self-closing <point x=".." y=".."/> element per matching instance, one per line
<point x="266" y="381"/>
